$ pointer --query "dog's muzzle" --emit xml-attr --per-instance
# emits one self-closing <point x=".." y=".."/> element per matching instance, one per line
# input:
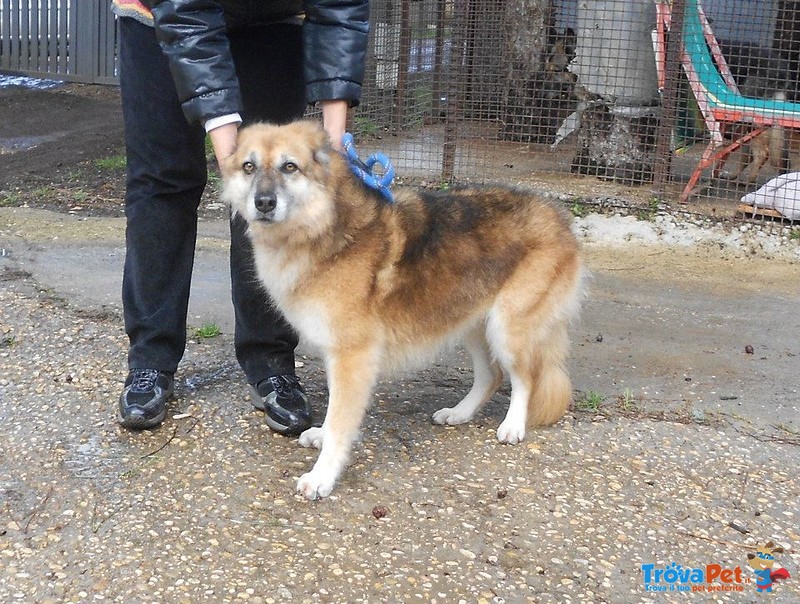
<point x="265" y="204"/>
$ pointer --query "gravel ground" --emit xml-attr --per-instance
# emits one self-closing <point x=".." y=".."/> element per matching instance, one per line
<point x="204" y="509"/>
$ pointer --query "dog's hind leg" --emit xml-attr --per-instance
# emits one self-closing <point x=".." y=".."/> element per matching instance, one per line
<point x="487" y="377"/>
<point x="540" y="386"/>
<point x="351" y="378"/>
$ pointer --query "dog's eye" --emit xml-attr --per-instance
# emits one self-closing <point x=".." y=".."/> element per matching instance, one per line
<point x="289" y="167"/>
<point x="248" y="167"/>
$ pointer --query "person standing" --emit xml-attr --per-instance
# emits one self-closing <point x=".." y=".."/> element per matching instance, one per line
<point x="190" y="68"/>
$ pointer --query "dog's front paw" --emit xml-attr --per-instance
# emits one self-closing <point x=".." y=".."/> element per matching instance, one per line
<point x="511" y="432"/>
<point x="315" y="485"/>
<point x="451" y="416"/>
<point x="311" y="438"/>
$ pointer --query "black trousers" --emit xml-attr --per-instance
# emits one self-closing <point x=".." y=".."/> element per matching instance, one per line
<point x="166" y="176"/>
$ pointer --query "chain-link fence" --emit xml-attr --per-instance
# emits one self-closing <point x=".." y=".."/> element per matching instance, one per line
<point x="587" y="96"/>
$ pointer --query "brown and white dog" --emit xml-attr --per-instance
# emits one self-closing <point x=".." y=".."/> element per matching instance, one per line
<point x="377" y="287"/>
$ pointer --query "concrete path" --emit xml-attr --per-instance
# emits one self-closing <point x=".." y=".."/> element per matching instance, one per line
<point x="682" y="447"/>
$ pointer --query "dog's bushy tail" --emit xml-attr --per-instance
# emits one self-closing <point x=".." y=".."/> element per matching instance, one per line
<point x="552" y="387"/>
<point x="528" y="331"/>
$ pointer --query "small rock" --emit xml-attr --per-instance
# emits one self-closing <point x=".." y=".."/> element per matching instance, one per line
<point x="380" y="511"/>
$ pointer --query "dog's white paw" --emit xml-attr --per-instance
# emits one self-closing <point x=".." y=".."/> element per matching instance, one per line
<point x="451" y="416"/>
<point x="311" y="438"/>
<point x="315" y="484"/>
<point x="511" y="432"/>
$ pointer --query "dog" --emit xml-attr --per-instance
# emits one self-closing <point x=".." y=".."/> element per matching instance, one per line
<point x="377" y="287"/>
<point x="776" y="146"/>
<point x="763" y="73"/>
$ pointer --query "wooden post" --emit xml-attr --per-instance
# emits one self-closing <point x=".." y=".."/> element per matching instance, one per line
<point x="455" y="88"/>
<point x="403" y="62"/>
<point x="669" y="99"/>
<point x="438" y="64"/>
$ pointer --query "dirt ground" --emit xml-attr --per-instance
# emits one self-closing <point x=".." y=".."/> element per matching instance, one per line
<point x="63" y="149"/>
<point x="50" y="142"/>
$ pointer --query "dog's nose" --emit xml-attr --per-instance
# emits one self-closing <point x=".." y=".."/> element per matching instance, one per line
<point x="266" y="202"/>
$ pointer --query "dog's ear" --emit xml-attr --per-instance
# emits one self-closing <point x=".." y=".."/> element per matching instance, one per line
<point x="322" y="147"/>
<point x="322" y="155"/>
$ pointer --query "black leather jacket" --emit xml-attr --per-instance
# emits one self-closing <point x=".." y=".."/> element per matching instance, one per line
<point x="192" y="35"/>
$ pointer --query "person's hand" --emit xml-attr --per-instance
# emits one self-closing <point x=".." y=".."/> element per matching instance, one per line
<point x="334" y="120"/>
<point x="223" y="140"/>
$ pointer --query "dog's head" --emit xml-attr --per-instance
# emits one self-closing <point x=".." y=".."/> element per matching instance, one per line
<point x="764" y="556"/>
<point x="278" y="175"/>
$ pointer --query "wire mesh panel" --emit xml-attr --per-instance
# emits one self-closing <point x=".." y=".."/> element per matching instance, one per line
<point x="513" y="90"/>
<point x="738" y="117"/>
<point x="583" y="94"/>
<point x="693" y="100"/>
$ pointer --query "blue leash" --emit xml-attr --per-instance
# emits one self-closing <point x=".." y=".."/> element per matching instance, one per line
<point x="364" y="169"/>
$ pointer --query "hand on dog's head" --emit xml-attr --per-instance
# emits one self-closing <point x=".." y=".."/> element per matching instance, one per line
<point x="308" y="132"/>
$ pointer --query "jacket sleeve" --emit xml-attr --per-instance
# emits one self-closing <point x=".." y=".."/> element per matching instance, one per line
<point x="335" y="47"/>
<point x="192" y="36"/>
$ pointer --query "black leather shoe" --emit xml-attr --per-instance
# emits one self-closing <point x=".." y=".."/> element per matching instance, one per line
<point x="284" y="404"/>
<point x="143" y="403"/>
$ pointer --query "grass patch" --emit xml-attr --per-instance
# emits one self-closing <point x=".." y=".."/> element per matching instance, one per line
<point x="80" y="196"/>
<point x="214" y="179"/>
<point x="207" y="331"/>
<point x="579" y="210"/>
<point x="649" y="213"/>
<point x="210" y="155"/>
<point x="590" y="401"/>
<point x="43" y="192"/>
<point x="366" y="127"/>
<point x="115" y="162"/>
<point x="628" y="402"/>
<point x="8" y="200"/>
